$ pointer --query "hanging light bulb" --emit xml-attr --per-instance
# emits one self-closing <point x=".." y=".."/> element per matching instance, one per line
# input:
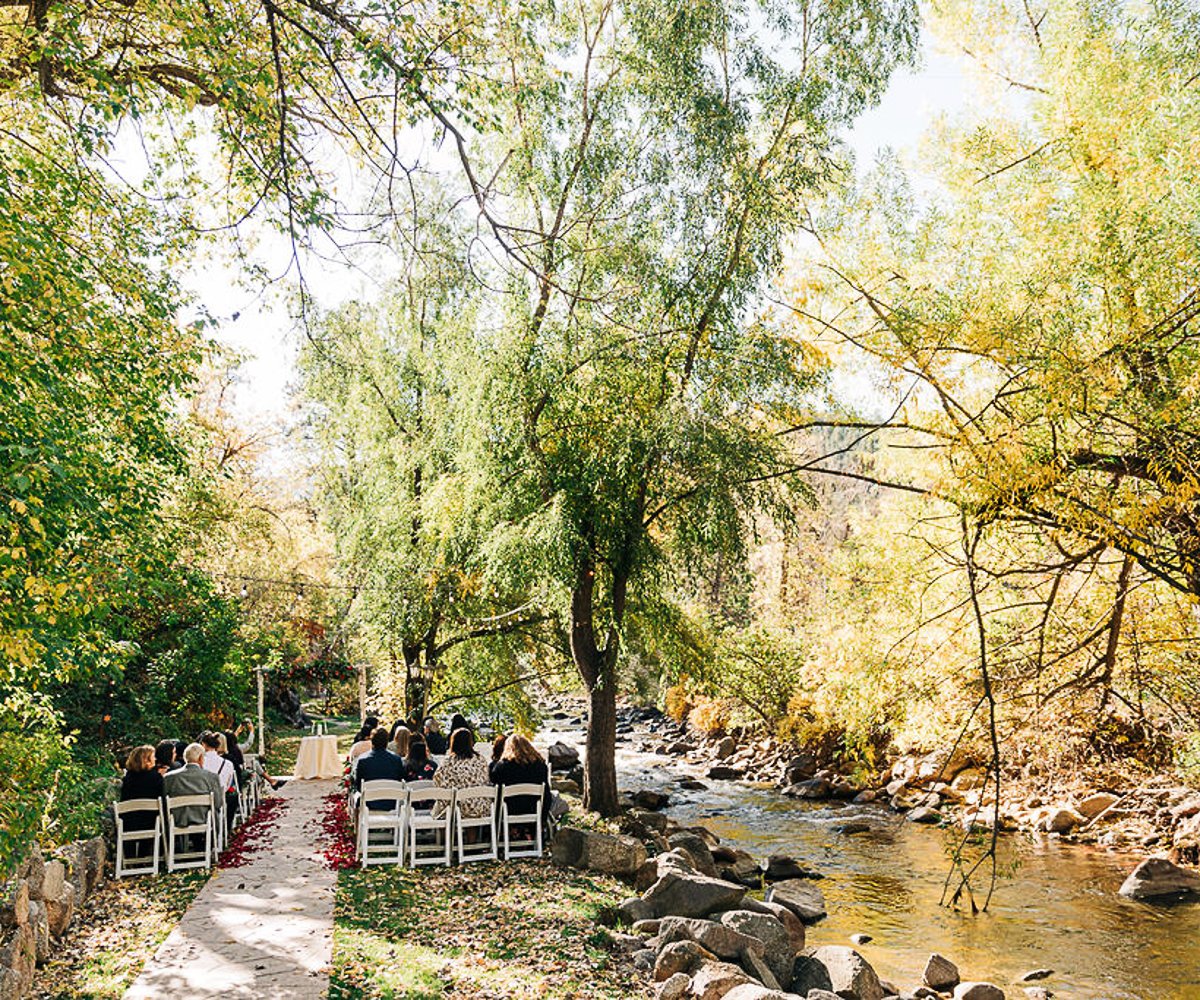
<point x="245" y="591"/>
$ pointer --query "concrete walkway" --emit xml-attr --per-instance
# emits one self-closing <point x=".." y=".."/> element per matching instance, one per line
<point x="263" y="930"/>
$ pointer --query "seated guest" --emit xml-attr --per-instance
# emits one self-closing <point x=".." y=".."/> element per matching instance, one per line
<point x="233" y="754"/>
<point x="434" y="739"/>
<point x="460" y="722"/>
<point x="192" y="779"/>
<point x="464" y="768"/>
<point x="215" y="761"/>
<point x="497" y="753"/>
<point x="180" y="747"/>
<point x="379" y="764"/>
<point x="521" y="764"/>
<point x="141" y="781"/>
<point x="400" y="740"/>
<point x="418" y="766"/>
<point x="362" y="739"/>
<point x="164" y="756"/>
<point x="246" y="743"/>
<point x="400" y="724"/>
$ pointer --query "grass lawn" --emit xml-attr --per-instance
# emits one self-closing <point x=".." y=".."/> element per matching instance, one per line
<point x="485" y="930"/>
<point x="120" y="927"/>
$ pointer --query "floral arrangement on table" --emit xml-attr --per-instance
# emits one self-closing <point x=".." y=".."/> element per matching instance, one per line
<point x="337" y="839"/>
<point x="253" y="835"/>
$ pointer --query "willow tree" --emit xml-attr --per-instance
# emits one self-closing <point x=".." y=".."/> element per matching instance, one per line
<point x="1045" y="307"/>
<point x="649" y="163"/>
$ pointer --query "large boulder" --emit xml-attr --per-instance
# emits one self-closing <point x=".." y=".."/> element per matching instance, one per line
<point x="726" y="747"/>
<point x="801" y="897"/>
<point x="838" y="969"/>
<point x="752" y="991"/>
<point x="722" y="772"/>
<point x="719" y="938"/>
<point x="1061" y="820"/>
<point x="696" y="849"/>
<point x="783" y="866"/>
<point x="562" y="756"/>
<point x="1157" y="877"/>
<point x="771" y="934"/>
<point x="649" y="799"/>
<point x="940" y="973"/>
<point x="810" y="788"/>
<point x="713" y="980"/>
<point x="735" y="865"/>
<point x="54" y="880"/>
<point x="19" y="956"/>
<point x="597" y="852"/>
<point x="687" y="894"/>
<point x="39" y="923"/>
<point x="978" y="991"/>
<point x="33" y="871"/>
<point x="1094" y="804"/>
<point x="675" y="987"/>
<point x="791" y="923"/>
<point x="60" y="911"/>
<point x="14" y="903"/>
<point x="86" y="858"/>
<point x="680" y="956"/>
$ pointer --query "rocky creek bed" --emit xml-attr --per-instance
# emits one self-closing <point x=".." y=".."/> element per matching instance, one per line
<point x="1056" y="906"/>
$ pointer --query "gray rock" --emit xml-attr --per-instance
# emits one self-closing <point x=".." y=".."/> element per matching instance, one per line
<point x="54" y="877"/>
<point x="752" y="991"/>
<point x="719" y="938"/>
<point x="791" y="923"/>
<point x="697" y="849"/>
<point x="755" y="964"/>
<point x="801" y="897"/>
<point x="14" y="903"/>
<point x="40" y="924"/>
<point x="1036" y="974"/>
<point x="692" y="784"/>
<point x="940" y="973"/>
<point x="978" y="991"/>
<point x="685" y="894"/>
<point x="562" y="757"/>
<point x="861" y="939"/>
<point x="812" y="788"/>
<point x="772" y="935"/>
<point x="714" y="979"/>
<point x="1094" y="804"/>
<point x="726" y="747"/>
<point x="644" y="959"/>
<point x="647" y="928"/>
<point x="850" y="975"/>
<point x="1062" y="821"/>
<point x="674" y="987"/>
<point x="679" y="956"/>
<point x="722" y="772"/>
<point x="565" y="786"/>
<point x="781" y="867"/>
<point x="598" y="852"/>
<point x="19" y="956"/>
<point x="924" y="814"/>
<point x="33" y="871"/>
<point x="851" y="826"/>
<point x="646" y="798"/>
<point x="655" y="821"/>
<point x="60" y="911"/>
<point x="1037" y="993"/>
<point x="635" y="910"/>
<point x="1158" y="877"/>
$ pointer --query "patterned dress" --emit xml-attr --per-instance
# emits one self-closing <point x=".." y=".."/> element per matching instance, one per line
<point x="469" y="773"/>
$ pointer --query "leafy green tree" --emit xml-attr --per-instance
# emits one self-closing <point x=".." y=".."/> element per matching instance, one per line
<point x="650" y="165"/>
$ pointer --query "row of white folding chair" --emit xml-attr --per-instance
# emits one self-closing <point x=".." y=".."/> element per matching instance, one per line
<point x="212" y="830"/>
<point x="413" y="809"/>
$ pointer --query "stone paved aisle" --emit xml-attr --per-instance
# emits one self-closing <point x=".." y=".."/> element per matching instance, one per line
<point x="263" y="930"/>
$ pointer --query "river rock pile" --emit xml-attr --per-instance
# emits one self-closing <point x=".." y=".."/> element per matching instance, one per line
<point x="37" y="906"/>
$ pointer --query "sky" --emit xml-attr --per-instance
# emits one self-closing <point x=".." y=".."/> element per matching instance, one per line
<point x="266" y="336"/>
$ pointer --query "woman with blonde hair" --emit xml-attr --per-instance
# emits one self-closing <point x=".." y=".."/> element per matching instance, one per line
<point x="400" y="741"/>
<point x="141" y="780"/>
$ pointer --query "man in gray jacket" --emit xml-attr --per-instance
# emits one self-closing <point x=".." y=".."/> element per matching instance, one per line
<point x="192" y="779"/>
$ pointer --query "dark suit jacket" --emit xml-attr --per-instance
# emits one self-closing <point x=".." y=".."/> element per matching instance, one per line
<point x="379" y="765"/>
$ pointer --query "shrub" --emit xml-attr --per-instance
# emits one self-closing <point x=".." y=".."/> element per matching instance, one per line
<point x="709" y="716"/>
<point x="677" y="703"/>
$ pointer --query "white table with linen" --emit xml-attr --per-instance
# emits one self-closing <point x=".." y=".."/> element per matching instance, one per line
<point x="318" y="757"/>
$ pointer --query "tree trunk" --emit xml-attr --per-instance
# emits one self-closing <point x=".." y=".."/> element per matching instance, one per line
<point x="597" y="668"/>
<point x="600" y="765"/>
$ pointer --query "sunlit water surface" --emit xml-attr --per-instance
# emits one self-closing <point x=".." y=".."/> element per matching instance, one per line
<point x="1055" y="905"/>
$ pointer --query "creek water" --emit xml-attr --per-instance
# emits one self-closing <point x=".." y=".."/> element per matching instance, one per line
<point x="1055" y="905"/>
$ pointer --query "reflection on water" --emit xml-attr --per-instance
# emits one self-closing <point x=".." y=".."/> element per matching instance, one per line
<point x="1056" y="905"/>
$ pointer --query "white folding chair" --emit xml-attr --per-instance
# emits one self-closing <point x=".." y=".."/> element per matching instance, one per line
<point x="525" y="848"/>
<point x="483" y="850"/>
<point x="389" y="820"/>
<point x="436" y="820"/>
<point x="220" y="829"/>
<point x="139" y="866"/>
<point x="177" y="860"/>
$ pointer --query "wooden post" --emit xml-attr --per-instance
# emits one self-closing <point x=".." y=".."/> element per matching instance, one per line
<point x="362" y="690"/>
<point x="261" y="725"/>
